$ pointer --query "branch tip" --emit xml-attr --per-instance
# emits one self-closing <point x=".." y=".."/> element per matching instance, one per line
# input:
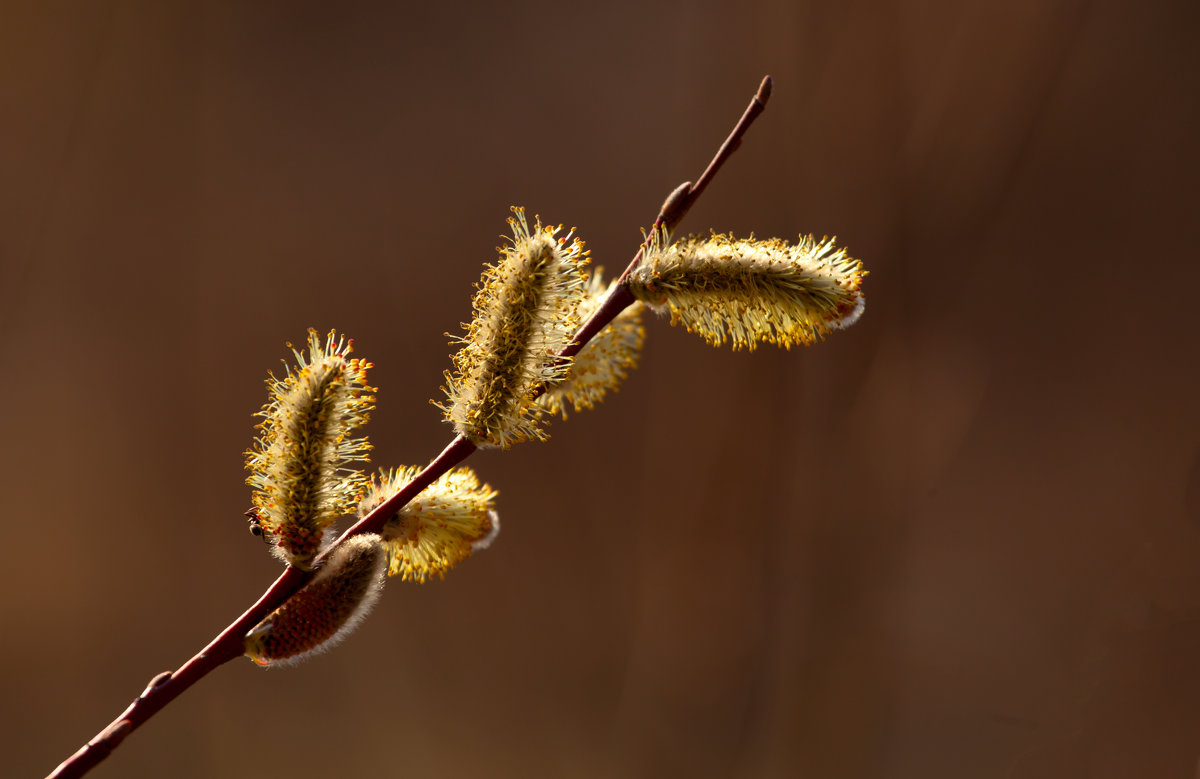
<point x="764" y="91"/>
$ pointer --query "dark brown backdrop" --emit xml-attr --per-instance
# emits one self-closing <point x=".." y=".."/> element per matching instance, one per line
<point x="961" y="539"/>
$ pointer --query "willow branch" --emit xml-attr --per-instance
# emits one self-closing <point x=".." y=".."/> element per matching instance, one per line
<point x="229" y="644"/>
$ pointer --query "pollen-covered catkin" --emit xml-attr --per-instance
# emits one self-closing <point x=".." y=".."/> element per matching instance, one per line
<point x="449" y="520"/>
<point x="526" y="311"/>
<point x="326" y="609"/>
<point x="604" y="362"/>
<point x="298" y="463"/>
<point x="747" y="291"/>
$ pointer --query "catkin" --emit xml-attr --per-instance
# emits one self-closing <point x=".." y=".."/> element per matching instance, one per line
<point x="526" y="311"/>
<point x="748" y="291"/>
<point x="441" y="527"/>
<point x="298" y="463"/>
<point x="325" y="610"/>
<point x="604" y="362"/>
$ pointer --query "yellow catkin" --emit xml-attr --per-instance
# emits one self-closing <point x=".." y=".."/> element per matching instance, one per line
<point x="604" y="362"/>
<point x="449" y="520"/>
<point x="748" y="291"/>
<point x="298" y="463"/>
<point x="326" y="609"/>
<point x="526" y="311"/>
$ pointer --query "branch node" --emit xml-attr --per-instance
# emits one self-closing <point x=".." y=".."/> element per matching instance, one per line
<point x="672" y="207"/>
<point x="158" y="681"/>
<point x="109" y="738"/>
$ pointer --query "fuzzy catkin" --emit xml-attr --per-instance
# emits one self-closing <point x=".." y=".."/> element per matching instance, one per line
<point x="298" y="463"/>
<point x="325" y="610"/>
<point x="440" y="528"/>
<point x="748" y="291"/>
<point x="526" y="311"/>
<point x="604" y="362"/>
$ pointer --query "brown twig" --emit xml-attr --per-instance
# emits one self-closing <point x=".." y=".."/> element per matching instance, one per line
<point x="228" y="645"/>
<point x="670" y="214"/>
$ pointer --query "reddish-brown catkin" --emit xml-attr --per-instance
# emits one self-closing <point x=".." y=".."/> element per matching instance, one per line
<point x="326" y="609"/>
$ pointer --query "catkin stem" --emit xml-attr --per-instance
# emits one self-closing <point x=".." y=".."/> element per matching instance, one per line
<point x="459" y="449"/>
<point x="228" y="645"/>
<point x="164" y="688"/>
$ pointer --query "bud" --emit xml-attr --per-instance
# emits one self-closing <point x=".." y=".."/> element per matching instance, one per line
<point x="324" y="611"/>
<point x="604" y="362"/>
<point x="526" y="311"/>
<point x="298" y="464"/>
<point x="449" y="520"/>
<point x="751" y="291"/>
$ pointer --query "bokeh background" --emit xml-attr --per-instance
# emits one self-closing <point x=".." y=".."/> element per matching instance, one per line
<point x="961" y="539"/>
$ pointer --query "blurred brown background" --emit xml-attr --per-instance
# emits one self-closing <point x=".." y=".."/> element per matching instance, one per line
<point x="961" y="539"/>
